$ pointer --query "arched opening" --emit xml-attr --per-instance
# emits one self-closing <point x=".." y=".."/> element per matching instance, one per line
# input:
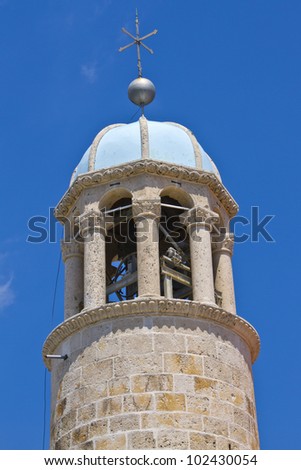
<point x="121" y="253"/>
<point x="174" y="248"/>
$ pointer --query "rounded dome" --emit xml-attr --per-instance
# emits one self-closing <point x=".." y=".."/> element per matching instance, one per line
<point x="163" y="141"/>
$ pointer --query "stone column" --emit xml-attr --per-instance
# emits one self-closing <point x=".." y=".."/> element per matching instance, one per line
<point x="73" y="257"/>
<point x="146" y="214"/>
<point x="92" y="228"/>
<point x="223" y="273"/>
<point x="199" y="222"/>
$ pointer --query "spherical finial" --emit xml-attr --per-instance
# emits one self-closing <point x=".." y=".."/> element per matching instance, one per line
<point x="141" y="91"/>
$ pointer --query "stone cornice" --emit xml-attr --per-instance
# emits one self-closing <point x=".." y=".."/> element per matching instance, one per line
<point x="152" y="307"/>
<point x="152" y="167"/>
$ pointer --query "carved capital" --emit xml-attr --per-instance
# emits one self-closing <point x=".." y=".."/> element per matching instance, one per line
<point x="225" y="245"/>
<point x="71" y="248"/>
<point x="146" y="208"/>
<point x="91" y="222"/>
<point x="200" y="216"/>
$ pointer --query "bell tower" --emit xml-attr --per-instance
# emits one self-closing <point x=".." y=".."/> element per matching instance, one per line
<point x="156" y="356"/>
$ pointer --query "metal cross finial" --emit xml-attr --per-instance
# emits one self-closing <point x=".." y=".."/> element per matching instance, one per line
<point x="138" y="41"/>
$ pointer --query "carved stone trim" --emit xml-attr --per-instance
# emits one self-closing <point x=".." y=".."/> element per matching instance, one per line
<point x="95" y="143"/>
<point x="72" y="248"/>
<point x="148" y="166"/>
<point x="201" y="216"/>
<point x="144" y="137"/>
<point x="146" y="208"/>
<point x="152" y="307"/>
<point x="225" y="245"/>
<point x="90" y="222"/>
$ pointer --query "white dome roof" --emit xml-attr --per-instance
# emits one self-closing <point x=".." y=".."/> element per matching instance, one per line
<point x="163" y="141"/>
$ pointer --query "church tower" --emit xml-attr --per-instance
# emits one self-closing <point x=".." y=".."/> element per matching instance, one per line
<point x="153" y="354"/>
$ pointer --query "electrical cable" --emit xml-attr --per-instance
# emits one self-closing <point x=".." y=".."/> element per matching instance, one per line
<point x="45" y="372"/>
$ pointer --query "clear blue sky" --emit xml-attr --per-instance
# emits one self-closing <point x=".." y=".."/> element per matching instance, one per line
<point x="227" y="69"/>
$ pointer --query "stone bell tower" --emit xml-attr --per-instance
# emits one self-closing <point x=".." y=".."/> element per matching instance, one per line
<point x="157" y="357"/>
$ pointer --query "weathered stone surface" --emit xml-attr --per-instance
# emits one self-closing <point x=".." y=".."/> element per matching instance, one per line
<point x="110" y="406"/>
<point x="126" y="422"/>
<point x="173" y="440"/>
<point x="183" y="363"/>
<point x="135" y="402"/>
<point x="178" y="394"/>
<point x="152" y="383"/>
<point x="141" y="440"/>
<point x="200" y="441"/>
<point x="170" y="402"/>
<point x="117" y="442"/>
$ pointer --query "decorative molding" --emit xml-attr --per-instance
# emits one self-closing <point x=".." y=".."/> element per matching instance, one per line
<point x="152" y="307"/>
<point x="71" y="248"/>
<point x="152" y="167"/>
<point x="226" y="245"/>
<point x="90" y="222"/>
<point x="146" y="208"/>
<point x="200" y="216"/>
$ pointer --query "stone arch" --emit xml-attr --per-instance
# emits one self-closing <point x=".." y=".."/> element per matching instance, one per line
<point x="112" y="196"/>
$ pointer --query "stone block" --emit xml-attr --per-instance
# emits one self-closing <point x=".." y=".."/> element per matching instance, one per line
<point x="141" y="440"/>
<point x="119" y="386"/>
<point x="131" y="344"/>
<point x="170" y="402"/>
<point x="166" y="342"/>
<point x="216" y="426"/>
<point x="138" y="402"/>
<point x="98" y="428"/>
<point x="64" y="443"/>
<point x="108" y="347"/>
<point x="86" y="413"/>
<point x="97" y="372"/>
<point x="203" y="345"/>
<point x="184" y="383"/>
<point x="151" y="383"/>
<point x="183" y="364"/>
<point x="216" y="370"/>
<point x="80" y="435"/>
<point x="238" y="434"/>
<point x="169" y="439"/>
<point x="200" y="441"/>
<point x="140" y="364"/>
<point x="205" y="387"/>
<point x="188" y="421"/>
<point x="117" y="442"/>
<point x="128" y="422"/>
<point x="198" y="404"/>
<point x="157" y="420"/>
<point x="109" y="406"/>
<point x="227" y="444"/>
<point x="221" y="410"/>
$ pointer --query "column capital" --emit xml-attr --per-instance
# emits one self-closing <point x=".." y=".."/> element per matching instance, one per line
<point x="90" y="222"/>
<point x="201" y="216"/>
<point x="146" y="208"/>
<point x="71" y="248"/>
<point x="225" y="245"/>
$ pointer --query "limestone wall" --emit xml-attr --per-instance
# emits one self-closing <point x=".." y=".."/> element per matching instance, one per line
<point x="149" y="382"/>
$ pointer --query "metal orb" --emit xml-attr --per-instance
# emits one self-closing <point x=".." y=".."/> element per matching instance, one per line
<point x="141" y="91"/>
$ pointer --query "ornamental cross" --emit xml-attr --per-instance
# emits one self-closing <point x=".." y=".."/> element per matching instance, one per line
<point x="138" y="41"/>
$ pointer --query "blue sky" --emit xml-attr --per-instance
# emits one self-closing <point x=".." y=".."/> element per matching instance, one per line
<point x="227" y="69"/>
